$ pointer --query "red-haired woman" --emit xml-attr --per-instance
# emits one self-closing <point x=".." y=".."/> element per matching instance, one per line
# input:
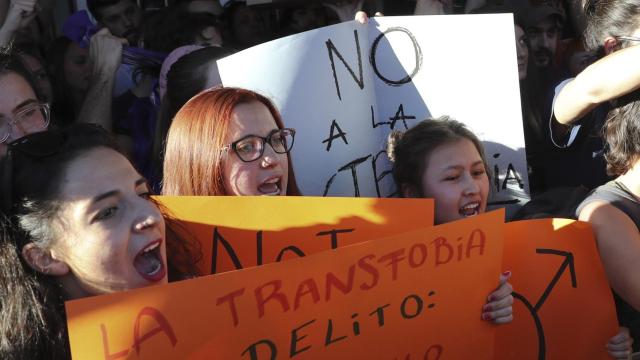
<point x="228" y="141"/>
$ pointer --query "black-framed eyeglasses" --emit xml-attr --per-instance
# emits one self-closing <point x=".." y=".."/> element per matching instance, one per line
<point x="251" y="147"/>
<point x="33" y="117"/>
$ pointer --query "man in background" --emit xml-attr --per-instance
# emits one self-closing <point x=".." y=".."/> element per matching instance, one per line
<point x="122" y="17"/>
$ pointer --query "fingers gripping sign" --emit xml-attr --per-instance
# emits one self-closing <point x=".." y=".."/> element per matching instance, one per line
<point x="499" y="303"/>
<point x="363" y="18"/>
<point x="620" y="346"/>
<point x="105" y="52"/>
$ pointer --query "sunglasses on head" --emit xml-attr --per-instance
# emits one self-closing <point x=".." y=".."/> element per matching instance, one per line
<point x="34" y="147"/>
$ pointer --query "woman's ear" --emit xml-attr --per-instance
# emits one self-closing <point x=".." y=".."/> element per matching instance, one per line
<point x="41" y="261"/>
<point x="408" y="191"/>
<point x="610" y="44"/>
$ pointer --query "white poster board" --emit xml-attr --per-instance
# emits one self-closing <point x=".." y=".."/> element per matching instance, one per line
<point x="344" y="87"/>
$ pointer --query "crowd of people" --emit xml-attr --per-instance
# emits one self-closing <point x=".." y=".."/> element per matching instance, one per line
<point x="95" y="121"/>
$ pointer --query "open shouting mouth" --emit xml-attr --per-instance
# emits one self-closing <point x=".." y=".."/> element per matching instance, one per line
<point x="470" y="209"/>
<point x="149" y="262"/>
<point x="271" y="186"/>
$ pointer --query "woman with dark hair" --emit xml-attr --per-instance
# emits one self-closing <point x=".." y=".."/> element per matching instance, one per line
<point x="71" y="227"/>
<point x="417" y="167"/>
<point x="22" y="109"/>
<point x="613" y="210"/>
<point x="581" y="104"/>
<point x="603" y="99"/>
<point x="228" y="141"/>
<point x="70" y="68"/>
<point x="186" y="77"/>
<point x="36" y="67"/>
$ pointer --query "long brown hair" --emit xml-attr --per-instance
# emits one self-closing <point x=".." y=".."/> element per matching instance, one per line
<point x="193" y="160"/>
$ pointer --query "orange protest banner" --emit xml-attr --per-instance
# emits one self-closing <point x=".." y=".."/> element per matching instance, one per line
<point x="237" y="232"/>
<point x="563" y="305"/>
<point x="416" y="295"/>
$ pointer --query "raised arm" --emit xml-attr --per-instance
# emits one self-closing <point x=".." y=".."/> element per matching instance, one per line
<point x="19" y="15"/>
<point x="614" y="75"/>
<point x="106" y="53"/>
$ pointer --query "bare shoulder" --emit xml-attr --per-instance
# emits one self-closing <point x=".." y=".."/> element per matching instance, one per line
<point x="601" y="211"/>
<point x="608" y="221"/>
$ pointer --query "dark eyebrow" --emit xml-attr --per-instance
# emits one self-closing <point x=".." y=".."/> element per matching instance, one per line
<point x="25" y="103"/>
<point x="141" y="181"/>
<point x="461" y="167"/>
<point x="116" y="192"/>
<point x="104" y="196"/>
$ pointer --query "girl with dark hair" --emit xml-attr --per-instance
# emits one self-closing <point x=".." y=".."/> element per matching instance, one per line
<point x="186" y="77"/>
<point x="36" y="67"/>
<point x="443" y="160"/>
<point x="71" y="227"/>
<point x="228" y="141"/>
<point x="71" y="69"/>
<point x="425" y="164"/>
<point x="22" y="109"/>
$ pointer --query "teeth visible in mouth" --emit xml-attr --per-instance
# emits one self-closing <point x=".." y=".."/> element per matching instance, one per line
<point x="470" y="209"/>
<point x="151" y="247"/>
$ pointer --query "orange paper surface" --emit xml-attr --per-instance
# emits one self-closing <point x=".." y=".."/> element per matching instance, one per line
<point x="261" y="230"/>
<point x="416" y="295"/>
<point x="558" y="275"/>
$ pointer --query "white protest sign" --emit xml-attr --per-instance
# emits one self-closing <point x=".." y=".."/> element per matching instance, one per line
<point x="346" y="86"/>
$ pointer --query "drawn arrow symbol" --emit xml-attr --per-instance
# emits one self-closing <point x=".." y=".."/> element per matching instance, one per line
<point x="568" y="262"/>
